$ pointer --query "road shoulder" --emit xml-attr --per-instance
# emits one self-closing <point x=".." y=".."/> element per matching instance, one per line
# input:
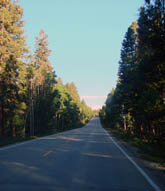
<point x="154" y="170"/>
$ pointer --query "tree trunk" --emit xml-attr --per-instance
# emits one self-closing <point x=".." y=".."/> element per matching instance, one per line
<point x="1" y="120"/>
<point x="125" y="124"/>
<point x="13" y="130"/>
<point x="62" y="122"/>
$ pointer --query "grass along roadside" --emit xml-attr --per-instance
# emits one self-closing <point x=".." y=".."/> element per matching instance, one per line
<point x="6" y="141"/>
<point x="148" y="151"/>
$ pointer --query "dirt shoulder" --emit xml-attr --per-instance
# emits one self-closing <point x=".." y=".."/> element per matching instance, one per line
<point x="153" y="169"/>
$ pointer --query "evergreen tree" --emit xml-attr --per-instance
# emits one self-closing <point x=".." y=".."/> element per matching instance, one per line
<point x="140" y="92"/>
<point x="129" y="82"/>
<point x="73" y="92"/>
<point x="44" y="80"/>
<point x="12" y="50"/>
<point x="151" y="33"/>
<point x="30" y="101"/>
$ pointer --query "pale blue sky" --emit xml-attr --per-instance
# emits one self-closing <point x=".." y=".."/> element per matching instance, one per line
<point x="85" y="37"/>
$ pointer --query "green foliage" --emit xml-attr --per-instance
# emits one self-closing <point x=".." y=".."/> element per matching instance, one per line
<point x="137" y="104"/>
<point x="31" y="101"/>
<point x="12" y="52"/>
<point x="85" y="112"/>
<point x="67" y="113"/>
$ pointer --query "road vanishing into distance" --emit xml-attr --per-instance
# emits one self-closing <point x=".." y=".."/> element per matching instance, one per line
<point x="84" y="159"/>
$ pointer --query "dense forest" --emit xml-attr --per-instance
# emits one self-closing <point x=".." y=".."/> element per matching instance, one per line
<point x="33" y="101"/>
<point x="137" y="104"/>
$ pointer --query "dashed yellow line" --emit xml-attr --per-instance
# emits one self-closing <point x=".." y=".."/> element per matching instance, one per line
<point x="49" y="152"/>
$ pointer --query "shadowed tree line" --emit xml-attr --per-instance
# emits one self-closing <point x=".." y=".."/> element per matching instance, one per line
<point x="32" y="100"/>
<point x="137" y="104"/>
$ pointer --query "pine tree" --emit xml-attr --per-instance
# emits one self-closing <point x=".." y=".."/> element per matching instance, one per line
<point x="151" y="33"/>
<point x="73" y="92"/>
<point x="42" y="63"/>
<point x="12" y="49"/>
<point x="44" y="79"/>
<point x="128" y="74"/>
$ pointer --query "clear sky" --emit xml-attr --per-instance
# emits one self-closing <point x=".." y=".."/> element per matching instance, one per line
<point x="85" y="37"/>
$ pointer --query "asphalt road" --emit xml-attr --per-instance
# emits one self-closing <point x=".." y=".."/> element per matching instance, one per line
<point x="85" y="159"/>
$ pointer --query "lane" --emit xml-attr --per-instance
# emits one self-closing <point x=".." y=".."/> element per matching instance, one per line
<point x="78" y="160"/>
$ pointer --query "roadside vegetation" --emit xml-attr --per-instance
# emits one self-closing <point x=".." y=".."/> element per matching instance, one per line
<point x="147" y="150"/>
<point x="33" y="101"/>
<point x="135" y="109"/>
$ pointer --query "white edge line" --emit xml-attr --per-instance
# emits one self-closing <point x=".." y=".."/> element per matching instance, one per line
<point x="136" y="165"/>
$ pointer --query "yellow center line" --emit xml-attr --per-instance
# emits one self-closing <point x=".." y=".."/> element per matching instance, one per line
<point x="49" y="152"/>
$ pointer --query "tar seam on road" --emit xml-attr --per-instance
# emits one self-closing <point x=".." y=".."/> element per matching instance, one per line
<point x="134" y="163"/>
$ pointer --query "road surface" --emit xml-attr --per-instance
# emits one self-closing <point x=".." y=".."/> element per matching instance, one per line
<point x="85" y="159"/>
